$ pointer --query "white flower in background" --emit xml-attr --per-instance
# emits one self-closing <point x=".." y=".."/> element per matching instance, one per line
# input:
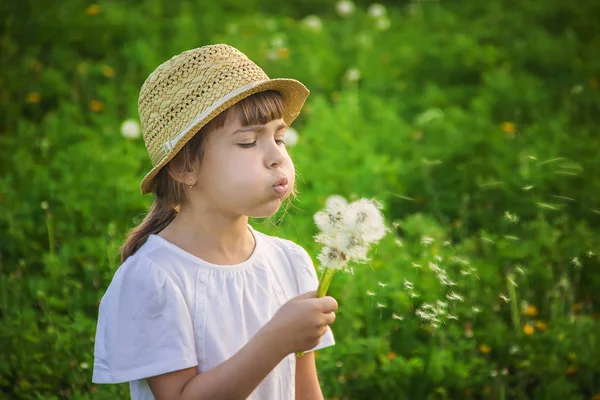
<point x="291" y="137"/>
<point x="352" y="75"/>
<point x="313" y="22"/>
<point x="377" y="10"/>
<point x="278" y="42"/>
<point x="398" y="317"/>
<point x="130" y="129"/>
<point x="344" y="8"/>
<point x="383" y="24"/>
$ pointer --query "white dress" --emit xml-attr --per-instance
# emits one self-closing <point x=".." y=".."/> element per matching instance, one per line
<point x="167" y="310"/>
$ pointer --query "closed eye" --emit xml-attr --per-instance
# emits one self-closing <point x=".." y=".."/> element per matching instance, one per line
<point x="248" y="145"/>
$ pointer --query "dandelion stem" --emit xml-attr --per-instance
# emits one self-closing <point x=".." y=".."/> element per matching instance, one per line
<point x="325" y="281"/>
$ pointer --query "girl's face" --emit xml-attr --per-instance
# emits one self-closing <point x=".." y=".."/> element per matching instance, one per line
<point x="242" y="169"/>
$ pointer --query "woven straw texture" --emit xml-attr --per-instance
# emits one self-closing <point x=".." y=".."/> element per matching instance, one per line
<point x="184" y="93"/>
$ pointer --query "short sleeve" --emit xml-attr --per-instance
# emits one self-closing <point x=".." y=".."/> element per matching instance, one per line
<point x="144" y="326"/>
<point x="307" y="280"/>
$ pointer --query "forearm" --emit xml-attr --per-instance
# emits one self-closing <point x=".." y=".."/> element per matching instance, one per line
<point x="237" y="377"/>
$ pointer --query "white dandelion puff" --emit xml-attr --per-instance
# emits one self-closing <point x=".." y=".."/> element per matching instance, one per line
<point x="291" y="137"/>
<point x="589" y="254"/>
<point x="130" y="129"/>
<point x="370" y="293"/>
<point x="313" y="22"/>
<point x="344" y="8"/>
<point x="352" y="74"/>
<point x="335" y="202"/>
<point x="575" y="261"/>
<point x="377" y="10"/>
<point x="413" y="295"/>
<point x="379" y="305"/>
<point x="382" y="284"/>
<point x="408" y="285"/>
<point x="475" y="310"/>
<point x="504" y="297"/>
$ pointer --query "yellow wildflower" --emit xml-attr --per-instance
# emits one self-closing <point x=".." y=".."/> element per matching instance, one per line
<point x="93" y="9"/>
<point x="509" y="127"/>
<point x="283" y="52"/>
<point x="596" y="396"/>
<point x="33" y="98"/>
<point x="108" y="72"/>
<point x="530" y="310"/>
<point x="391" y="355"/>
<point x="541" y="326"/>
<point x="96" y="106"/>
<point x="485" y="349"/>
<point x="528" y="329"/>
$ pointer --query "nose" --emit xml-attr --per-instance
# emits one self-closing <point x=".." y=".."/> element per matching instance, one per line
<point x="275" y="157"/>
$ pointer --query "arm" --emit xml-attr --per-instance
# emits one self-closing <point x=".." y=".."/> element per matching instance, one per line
<point x="297" y="326"/>
<point x="307" y="381"/>
<point x="247" y="368"/>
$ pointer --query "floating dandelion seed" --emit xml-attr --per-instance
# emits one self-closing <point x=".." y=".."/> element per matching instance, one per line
<point x="369" y="293"/>
<point x="520" y="270"/>
<point x="413" y="295"/>
<point x="446" y="243"/>
<point x="511" y="237"/>
<point x="475" y="310"/>
<point x="454" y="296"/>
<point x="512" y="218"/>
<point x="379" y="305"/>
<point x="504" y="298"/>
<point x="426" y="240"/>
<point x="465" y="272"/>
<point x="398" y="317"/>
<point x="575" y="261"/>
<point x="438" y="258"/>
<point x="453" y="317"/>
<point x="590" y="254"/>
<point x="416" y="265"/>
<point x="548" y="206"/>
<point x="382" y="284"/>
<point x="527" y="188"/>
<point x="399" y="243"/>
<point x="408" y="285"/>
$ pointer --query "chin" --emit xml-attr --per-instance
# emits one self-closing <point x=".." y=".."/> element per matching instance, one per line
<point x="268" y="210"/>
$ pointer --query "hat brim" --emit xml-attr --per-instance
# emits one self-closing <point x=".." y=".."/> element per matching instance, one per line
<point x="294" y="96"/>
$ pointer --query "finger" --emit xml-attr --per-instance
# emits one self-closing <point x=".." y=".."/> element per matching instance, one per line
<point x="327" y="304"/>
<point x="329" y="318"/>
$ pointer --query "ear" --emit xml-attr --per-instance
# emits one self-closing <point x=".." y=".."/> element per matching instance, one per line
<point x="179" y="174"/>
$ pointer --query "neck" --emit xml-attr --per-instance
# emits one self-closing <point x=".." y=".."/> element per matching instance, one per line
<point x="211" y="235"/>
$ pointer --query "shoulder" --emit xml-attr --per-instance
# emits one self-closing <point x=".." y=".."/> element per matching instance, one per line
<point x="285" y="247"/>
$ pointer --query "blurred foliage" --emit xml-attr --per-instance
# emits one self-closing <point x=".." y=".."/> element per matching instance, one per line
<point x="475" y="123"/>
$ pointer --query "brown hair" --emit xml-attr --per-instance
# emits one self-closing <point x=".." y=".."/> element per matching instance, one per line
<point x="259" y="108"/>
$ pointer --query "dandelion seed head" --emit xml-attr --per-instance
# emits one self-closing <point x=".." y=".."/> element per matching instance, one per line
<point x="408" y="284"/>
<point x="426" y="240"/>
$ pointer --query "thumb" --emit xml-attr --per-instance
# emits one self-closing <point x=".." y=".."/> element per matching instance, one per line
<point x="308" y="295"/>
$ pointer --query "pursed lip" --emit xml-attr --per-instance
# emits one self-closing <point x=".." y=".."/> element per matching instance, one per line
<point x="283" y="181"/>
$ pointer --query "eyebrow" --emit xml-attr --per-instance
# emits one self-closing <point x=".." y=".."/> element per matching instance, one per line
<point x="259" y="128"/>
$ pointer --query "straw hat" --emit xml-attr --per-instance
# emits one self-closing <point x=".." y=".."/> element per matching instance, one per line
<point x="184" y="93"/>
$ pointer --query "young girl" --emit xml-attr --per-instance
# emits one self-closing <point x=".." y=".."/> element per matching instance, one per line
<point x="203" y="306"/>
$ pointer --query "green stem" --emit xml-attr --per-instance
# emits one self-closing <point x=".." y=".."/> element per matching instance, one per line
<point x="325" y="281"/>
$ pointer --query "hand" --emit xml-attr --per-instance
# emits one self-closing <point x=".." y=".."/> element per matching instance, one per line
<point x="299" y="324"/>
